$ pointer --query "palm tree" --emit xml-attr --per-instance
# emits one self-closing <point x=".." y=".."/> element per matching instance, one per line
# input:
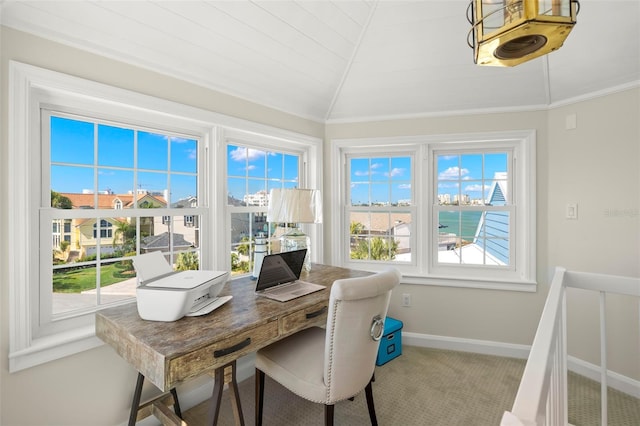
<point x="126" y="233"/>
<point x="381" y="249"/>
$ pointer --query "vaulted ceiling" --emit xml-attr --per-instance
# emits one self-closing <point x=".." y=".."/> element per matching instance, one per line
<point x="343" y="60"/>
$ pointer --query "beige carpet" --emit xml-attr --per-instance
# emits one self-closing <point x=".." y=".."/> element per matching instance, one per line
<point x="426" y="387"/>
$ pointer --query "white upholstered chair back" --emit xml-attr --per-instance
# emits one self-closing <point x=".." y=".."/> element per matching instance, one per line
<point x="350" y="350"/>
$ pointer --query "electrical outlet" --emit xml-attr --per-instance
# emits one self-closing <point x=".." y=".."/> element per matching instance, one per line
<point x="406" y="299"/>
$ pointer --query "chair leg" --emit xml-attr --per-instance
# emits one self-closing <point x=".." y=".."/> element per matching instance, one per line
<point x="328" y="415"/>
<point x="259" y="396"/>
<point x="372" y="409"/>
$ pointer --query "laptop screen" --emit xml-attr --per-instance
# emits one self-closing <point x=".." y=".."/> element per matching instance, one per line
<point x="280" y="268"/>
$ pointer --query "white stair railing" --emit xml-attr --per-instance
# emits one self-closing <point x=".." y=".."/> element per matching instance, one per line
<point x="542" y="396"/>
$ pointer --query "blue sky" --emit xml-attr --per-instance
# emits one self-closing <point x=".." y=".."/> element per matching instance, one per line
<point x="171" y="162"/>
<point x="380" y="180"/>
<point x="388" y="179"/>
<point x="471" y="174"/>
<point x="163" y="162"/>
<point x="251" y="170"/>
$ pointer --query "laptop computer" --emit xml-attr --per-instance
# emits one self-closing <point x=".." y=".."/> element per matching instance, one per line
<point x="279" y="277"/>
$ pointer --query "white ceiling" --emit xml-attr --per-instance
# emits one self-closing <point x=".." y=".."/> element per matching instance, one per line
<point x="342" y="60"/>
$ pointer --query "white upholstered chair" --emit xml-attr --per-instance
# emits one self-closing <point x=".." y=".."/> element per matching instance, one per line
<point x="327" y="366"/>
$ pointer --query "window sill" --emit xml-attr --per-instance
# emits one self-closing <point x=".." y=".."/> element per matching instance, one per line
<point x="523" y="286"/>
<point x="54" y="347"/>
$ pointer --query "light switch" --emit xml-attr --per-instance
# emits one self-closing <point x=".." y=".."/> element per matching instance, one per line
<point x="571" y="122"/>
<point x="572" y="211"/>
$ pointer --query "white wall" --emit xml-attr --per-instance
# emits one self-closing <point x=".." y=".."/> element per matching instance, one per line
<point x="595" y="165"/>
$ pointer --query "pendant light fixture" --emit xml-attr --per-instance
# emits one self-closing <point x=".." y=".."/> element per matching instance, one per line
<point x="510" y="32"/>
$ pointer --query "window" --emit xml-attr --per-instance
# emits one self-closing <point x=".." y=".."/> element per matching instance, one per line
<point x="136" y="174"/>
<point x="134" y="171"/>
<point x="473" y="207"/>
<point x="251" y="173"/>
<point x="92" y="177"/>
<point x="448" y="210"/>
<point x="380" y="208"/>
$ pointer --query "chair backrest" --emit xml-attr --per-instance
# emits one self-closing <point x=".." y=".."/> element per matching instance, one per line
<point x="350" y="350"/>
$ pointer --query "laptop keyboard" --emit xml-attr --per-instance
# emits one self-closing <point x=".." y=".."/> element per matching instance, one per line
<point x="283" y="289"/>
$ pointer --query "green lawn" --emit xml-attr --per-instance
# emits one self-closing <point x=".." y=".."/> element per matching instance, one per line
<point x="78" y="280"/>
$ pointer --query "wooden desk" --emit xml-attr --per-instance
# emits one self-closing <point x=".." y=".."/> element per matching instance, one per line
<point x="169" y="353"/>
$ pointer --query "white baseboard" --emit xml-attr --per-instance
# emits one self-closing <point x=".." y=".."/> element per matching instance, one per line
<point x="614" y="380"/>
<point x="466" y="345"/>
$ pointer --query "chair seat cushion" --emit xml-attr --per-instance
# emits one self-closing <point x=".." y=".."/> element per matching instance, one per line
<point x="297" y="362"/>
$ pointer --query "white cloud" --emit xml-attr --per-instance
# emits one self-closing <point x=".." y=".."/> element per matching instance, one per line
<point x="244" y="154"/>
<point x="454" y="173"/>
<point x="476" y="187"/>
<point x="396" y="171"/>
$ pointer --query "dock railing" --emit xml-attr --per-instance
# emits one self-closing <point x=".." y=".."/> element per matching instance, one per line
<point x="542" y="396"/>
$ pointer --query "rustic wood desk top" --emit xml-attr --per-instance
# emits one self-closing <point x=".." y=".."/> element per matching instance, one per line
<point x="167" y="353"/>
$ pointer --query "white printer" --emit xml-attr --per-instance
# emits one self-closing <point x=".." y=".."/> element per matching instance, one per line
<point x="167" y="295"/>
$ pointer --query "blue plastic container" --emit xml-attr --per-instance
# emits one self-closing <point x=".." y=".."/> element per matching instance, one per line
<point x="391" y="342"/>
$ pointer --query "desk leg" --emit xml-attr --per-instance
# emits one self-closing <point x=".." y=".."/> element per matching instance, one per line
<point x="176" y="403"/>
<point x="219" y="381"/>
<point x="135" y="403"/>
<point x="133" y="415"/>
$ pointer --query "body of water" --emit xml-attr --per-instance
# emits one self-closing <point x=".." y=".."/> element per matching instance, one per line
<point x="461" y="224"/>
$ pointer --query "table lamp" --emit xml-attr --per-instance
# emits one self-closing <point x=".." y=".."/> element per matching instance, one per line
<point x="292" y="207"/>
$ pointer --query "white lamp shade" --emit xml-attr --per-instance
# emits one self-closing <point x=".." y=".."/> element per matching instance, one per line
<point x="295" y="206"/>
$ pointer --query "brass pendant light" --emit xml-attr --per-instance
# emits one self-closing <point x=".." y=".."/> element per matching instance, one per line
<point x="510" y="32"/>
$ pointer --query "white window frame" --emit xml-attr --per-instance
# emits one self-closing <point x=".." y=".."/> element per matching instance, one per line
<point x="30" y="88"/>
<point x="422" y="270"/>
<point x="381" y="152"/>
<point x="308" y="149"/>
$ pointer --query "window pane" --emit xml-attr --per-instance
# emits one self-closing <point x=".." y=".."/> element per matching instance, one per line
<point x="401" y="181"/>
<point x="379" y="169"/>
<point x="359" y="170"/>
<point x="256" y="163"/>
<point x="275" y="166"/>
<point x="183" y="188"/>
<point x="292" y="169"/>
<point x="236" y="190"/>
<point x="153" y="151"/>
<point x="152" y="184"/>
<point x="471" y="167"/>
<point x="472" y="193"/>
<point x="256" y="192"/>
<point x="115" y="146"/>
<point x="72" y="141"/>
<point x="112" y="181"/>
<point x="359" y="194"/>
<point x="241" y="228"/>
<point x="74" y="288"/>
<point x="72" y="187"/>
<point x="380" y="194"/>
<point x="184" y="155"/>
<point x="117" y="281"/>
